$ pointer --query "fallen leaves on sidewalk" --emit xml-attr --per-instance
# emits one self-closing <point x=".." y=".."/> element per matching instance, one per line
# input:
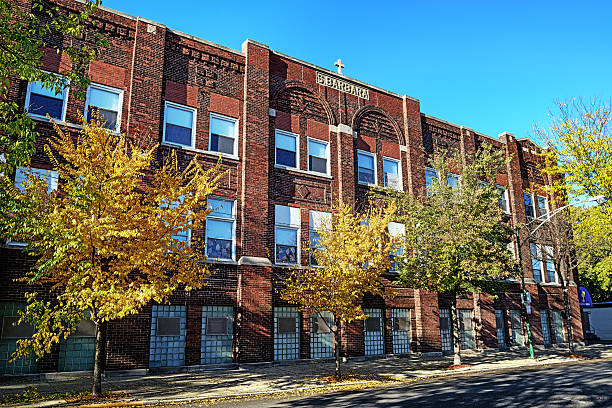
<point x="457" y="366"/>
<point x="31" y="394"/>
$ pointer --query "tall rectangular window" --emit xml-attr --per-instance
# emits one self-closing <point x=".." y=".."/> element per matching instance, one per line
<point x="223" y="136"/>
<point x="396" y="230"/>
<point x="366" y="168"/>
<point x="286" y="148"/>
<point x="545" y="323"/>
<point x="179" y="124"/>
<point x="503" y="199"/>
<point x="549" y="254"/>
<point x="391" y="173"/>
<point x="318" y="156"/>
<point x="286" y="234"/>
<point x="536" y="261"/>
<point x="529" y="207"/>
<point x="220" y="229"/>
<point x="106" y="102"/>
<point x="317" y="220"/>
<point x="41" y="101"/>
<point x="557" y="318"/>
<point x="431" y="176"/>
<point x="542" y="206"/>
<point x="453" y="180"/>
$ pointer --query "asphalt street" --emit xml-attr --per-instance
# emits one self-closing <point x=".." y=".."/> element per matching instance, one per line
<point x="576" y="384"/>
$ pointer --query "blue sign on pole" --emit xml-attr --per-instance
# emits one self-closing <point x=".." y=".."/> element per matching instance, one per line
<point x="584" y="297"/>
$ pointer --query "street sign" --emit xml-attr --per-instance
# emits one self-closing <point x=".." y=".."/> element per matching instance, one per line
<point x="584" y="297"/>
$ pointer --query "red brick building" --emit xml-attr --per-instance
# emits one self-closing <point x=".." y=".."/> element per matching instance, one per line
<point x="293" y="137"/>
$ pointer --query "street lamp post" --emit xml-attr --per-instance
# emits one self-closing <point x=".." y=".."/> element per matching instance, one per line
<point x="599" y="199"/>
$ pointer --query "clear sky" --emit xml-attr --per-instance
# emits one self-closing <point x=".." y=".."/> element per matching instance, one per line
<point x="490" y="65"/>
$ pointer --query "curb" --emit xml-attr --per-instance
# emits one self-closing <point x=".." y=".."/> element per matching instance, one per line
<point x="462" y="372"/>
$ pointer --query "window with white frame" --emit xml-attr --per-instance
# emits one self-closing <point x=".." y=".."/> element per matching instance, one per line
<point x="106" y="102"/>
<point x="41" y="101"/>
<point x="431" y="176"/>
<point x="529" y="205"/>
<point x="453" y="180"/>
<point x="549" y="256"/>
<point x="536" y="261"/>
<point x="223" y="135"/>
<point x="542" y="205"/>
<point x="318" y="156"/>
<point x="221" y="229"/>
<point x="182" y="234"/>
<point x="286" y="149"/>
<point x="22" y="174"/>
<point x="179" y="124"/>
<point x="503" y="199"/>
<point x="391" y="173"/>
<point x="317" y="220"/>
<point x="396" y="230"/>
<point x="366" y="168"/>
<point x="286" y="234"/>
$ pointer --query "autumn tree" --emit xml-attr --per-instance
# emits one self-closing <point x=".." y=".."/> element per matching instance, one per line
<point x="26" y="29"/>
<point x="111" y="239"/>
<point x="350" y="254"/>
<point x="578" y="159"/>
<point x="456" y="238"/>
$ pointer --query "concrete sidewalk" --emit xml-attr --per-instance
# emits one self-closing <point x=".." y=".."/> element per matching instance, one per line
<point x="289" y="377"/>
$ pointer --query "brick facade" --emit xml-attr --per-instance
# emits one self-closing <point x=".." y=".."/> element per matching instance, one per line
<point x="264" y="91"/>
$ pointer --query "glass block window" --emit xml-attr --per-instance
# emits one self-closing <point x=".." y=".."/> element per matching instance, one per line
<point x="396" y="230"/>
<point x="179" y="124"/>
<point x="401" y="330"/>
<point x="318" y="156"/>
<point x="106" y="102"/>
<point x="9" y="314"/>
<point x="41" y="102"/>
<point x="446" y="330"/>
<point x="77" y="354"/>
<point x="286" y="333"/>
<point x="545" y="323"/>
<point x="529" y="205"/>
<point x="503" y="199"/>
<point x="321" y="336"/>
<point x="431" y="176"/>
<point x="317" y="220"/>
<point x="517" y="328"/>
<point x="557" y="318"/>
<point x="542" y="203"/>
<point x="536" y="261"/>
<point x="286" y="149"/>
<point x="500" y="326"/>
<point x="286" y="234"/>
<point x="366" y="168"/>
<point x="167" y="346"/>
<point x="391" y="173"/>
<point x="373" y="332"/>
<point x="466" y="322"/>
<point x="223" y="136"/>
<point x="217" y="334"/>
<point x="453" y="180"/>
<point x="221" y="229"/>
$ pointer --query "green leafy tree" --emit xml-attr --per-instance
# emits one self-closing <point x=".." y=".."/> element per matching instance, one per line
<point x="107" y="242"/>
<point x="456" y="238"/>
<point x="578" y="159"/>
<point x="25" y="31"/>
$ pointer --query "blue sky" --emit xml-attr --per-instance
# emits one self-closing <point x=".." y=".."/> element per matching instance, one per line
<point x="491" y="65"/>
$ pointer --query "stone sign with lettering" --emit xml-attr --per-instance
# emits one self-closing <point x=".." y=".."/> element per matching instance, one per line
<point x="342" y="86"/>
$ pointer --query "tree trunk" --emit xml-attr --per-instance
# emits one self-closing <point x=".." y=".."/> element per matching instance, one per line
<point x="456" y="330"/>
<point x="100" y="358"/>
<point x="337" y="346"/>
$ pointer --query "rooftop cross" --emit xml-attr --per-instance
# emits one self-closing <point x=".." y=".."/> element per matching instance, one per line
<point x="340" y="65"/>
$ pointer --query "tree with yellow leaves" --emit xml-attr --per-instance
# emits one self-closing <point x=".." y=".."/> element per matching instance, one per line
<point x="110" y="240"/>
<point x="350" y="254"/>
